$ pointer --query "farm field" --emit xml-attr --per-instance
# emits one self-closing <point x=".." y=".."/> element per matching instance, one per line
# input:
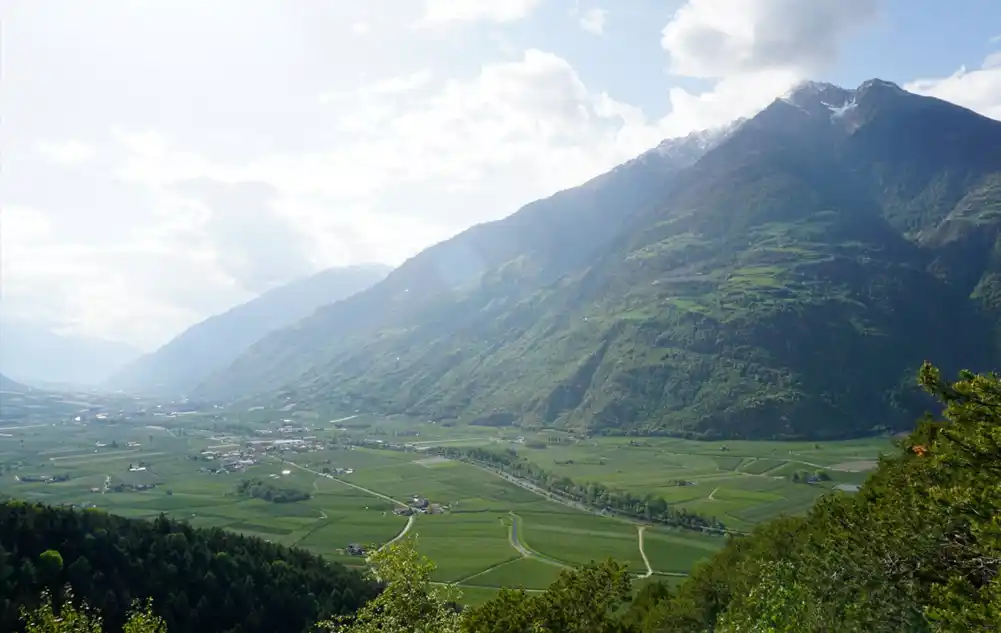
<point x="490" y="532"/>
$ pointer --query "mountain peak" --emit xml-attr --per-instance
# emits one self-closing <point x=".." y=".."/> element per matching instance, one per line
<point x="840" y="105"/>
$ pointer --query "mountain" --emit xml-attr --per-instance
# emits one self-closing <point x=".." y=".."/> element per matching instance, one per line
<point x="784" y="279"/>
<point x="6" y="384"/>
<point x="213" y="344"/>
<point x="35" y="355"/>
<point x="506" y="259"/>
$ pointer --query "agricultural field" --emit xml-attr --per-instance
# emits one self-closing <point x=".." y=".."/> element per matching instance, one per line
<point x="483" y="531"/>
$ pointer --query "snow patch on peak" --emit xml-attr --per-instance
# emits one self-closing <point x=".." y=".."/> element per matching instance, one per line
<point x="839" y="111"/>
<point x="700" y="141"/>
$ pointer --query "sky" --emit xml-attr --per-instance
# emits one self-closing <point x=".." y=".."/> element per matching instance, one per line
<point x="165" y="160"/>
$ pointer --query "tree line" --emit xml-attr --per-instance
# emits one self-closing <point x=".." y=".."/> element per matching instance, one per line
<point x="260" y="489"/>
<point x="598" y="496"/>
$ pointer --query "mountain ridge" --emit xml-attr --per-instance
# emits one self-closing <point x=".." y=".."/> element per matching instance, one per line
<point x="704" y="305"/>
<point x="210" y="345"/>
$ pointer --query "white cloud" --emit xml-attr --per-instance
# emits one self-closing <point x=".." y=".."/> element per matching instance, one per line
<point x="753" y="51"/>
<point x="410" y="161"/>
<point x="720" y="38"/>
<point x="71" y="152"/>
<point x="445" y="11"/>
<point x="125" y="246"/>
<point x="390" y="86"/>
<point x="978" y="90"/>
<point x="593" y="21"/>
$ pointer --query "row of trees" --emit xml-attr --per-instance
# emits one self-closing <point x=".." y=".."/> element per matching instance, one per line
<point x="592" y="494"/>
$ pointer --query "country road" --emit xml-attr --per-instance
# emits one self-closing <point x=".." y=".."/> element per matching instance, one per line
<point x="646" y="561"/>
<point x="347" y="483"/>
<point x="527" y="553"/>
<point x="403" y="532"/>
<point x="410" y="519"/>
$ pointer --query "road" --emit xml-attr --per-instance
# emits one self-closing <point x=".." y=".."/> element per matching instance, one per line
<point x="403" y="532"/>
<point x="410" y="519"/>
<point x="518" y="545"/>
<point x="646" y="561"/>
<point x="347" y="483"/>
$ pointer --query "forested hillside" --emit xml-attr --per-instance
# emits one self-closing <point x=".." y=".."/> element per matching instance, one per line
<point x="780" y="279"/>
<point x="204" y="580"/>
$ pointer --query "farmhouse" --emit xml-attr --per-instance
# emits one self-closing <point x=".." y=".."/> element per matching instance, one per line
<point x="354" y="549"/>
<point x="420" y="503"/>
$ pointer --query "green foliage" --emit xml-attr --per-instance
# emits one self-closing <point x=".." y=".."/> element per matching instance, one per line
<point x="583" y="600"/>
<point x="205" y="580"/>
<point x="408" y="601"/>
<point x="70" y="618"/>
<point x="260" y="489"/>
<point x="141" y="619"/>
<point x="45" y="618"/>
<point x="918" y="549"/>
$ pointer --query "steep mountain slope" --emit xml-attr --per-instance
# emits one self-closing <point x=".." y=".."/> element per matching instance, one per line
<point x="211" y="345"/>
<point x="36" y="355"/>
<point x="501" y="262"/>
<point x="786" y="284"/>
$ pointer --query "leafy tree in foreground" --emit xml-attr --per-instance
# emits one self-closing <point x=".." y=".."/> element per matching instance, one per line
<point x="409" y="601"/>
<point x="918" y="549"/>
<point x="579" y="601"/>
<point x="45" y="618"/>
<point x="582" y="600"/>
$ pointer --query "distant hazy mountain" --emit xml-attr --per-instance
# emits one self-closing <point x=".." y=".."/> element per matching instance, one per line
<point x="38" y="357"/>
<point x="213" y="344"/>
<point x="782" y="278"/>
<point x="6" y="384"/>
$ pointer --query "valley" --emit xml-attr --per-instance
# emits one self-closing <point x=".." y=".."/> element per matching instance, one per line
<point x="365" y="480"/>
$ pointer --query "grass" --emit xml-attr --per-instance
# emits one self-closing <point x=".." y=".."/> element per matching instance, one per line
<point x="525" y="573"/>
<point x="745" y="484"/>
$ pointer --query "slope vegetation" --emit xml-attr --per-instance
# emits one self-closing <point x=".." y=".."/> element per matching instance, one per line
<point x="780" y="282"/>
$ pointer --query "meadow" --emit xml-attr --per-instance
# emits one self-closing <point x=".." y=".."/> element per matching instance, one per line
<point x="491" y="533"/>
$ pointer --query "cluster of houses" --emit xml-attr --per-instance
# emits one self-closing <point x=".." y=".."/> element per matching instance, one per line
<point x="41" y="479"/>
<point x="123" y="487"/>
<point x="389" y="446"/>
<point x="420" y="505"/>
